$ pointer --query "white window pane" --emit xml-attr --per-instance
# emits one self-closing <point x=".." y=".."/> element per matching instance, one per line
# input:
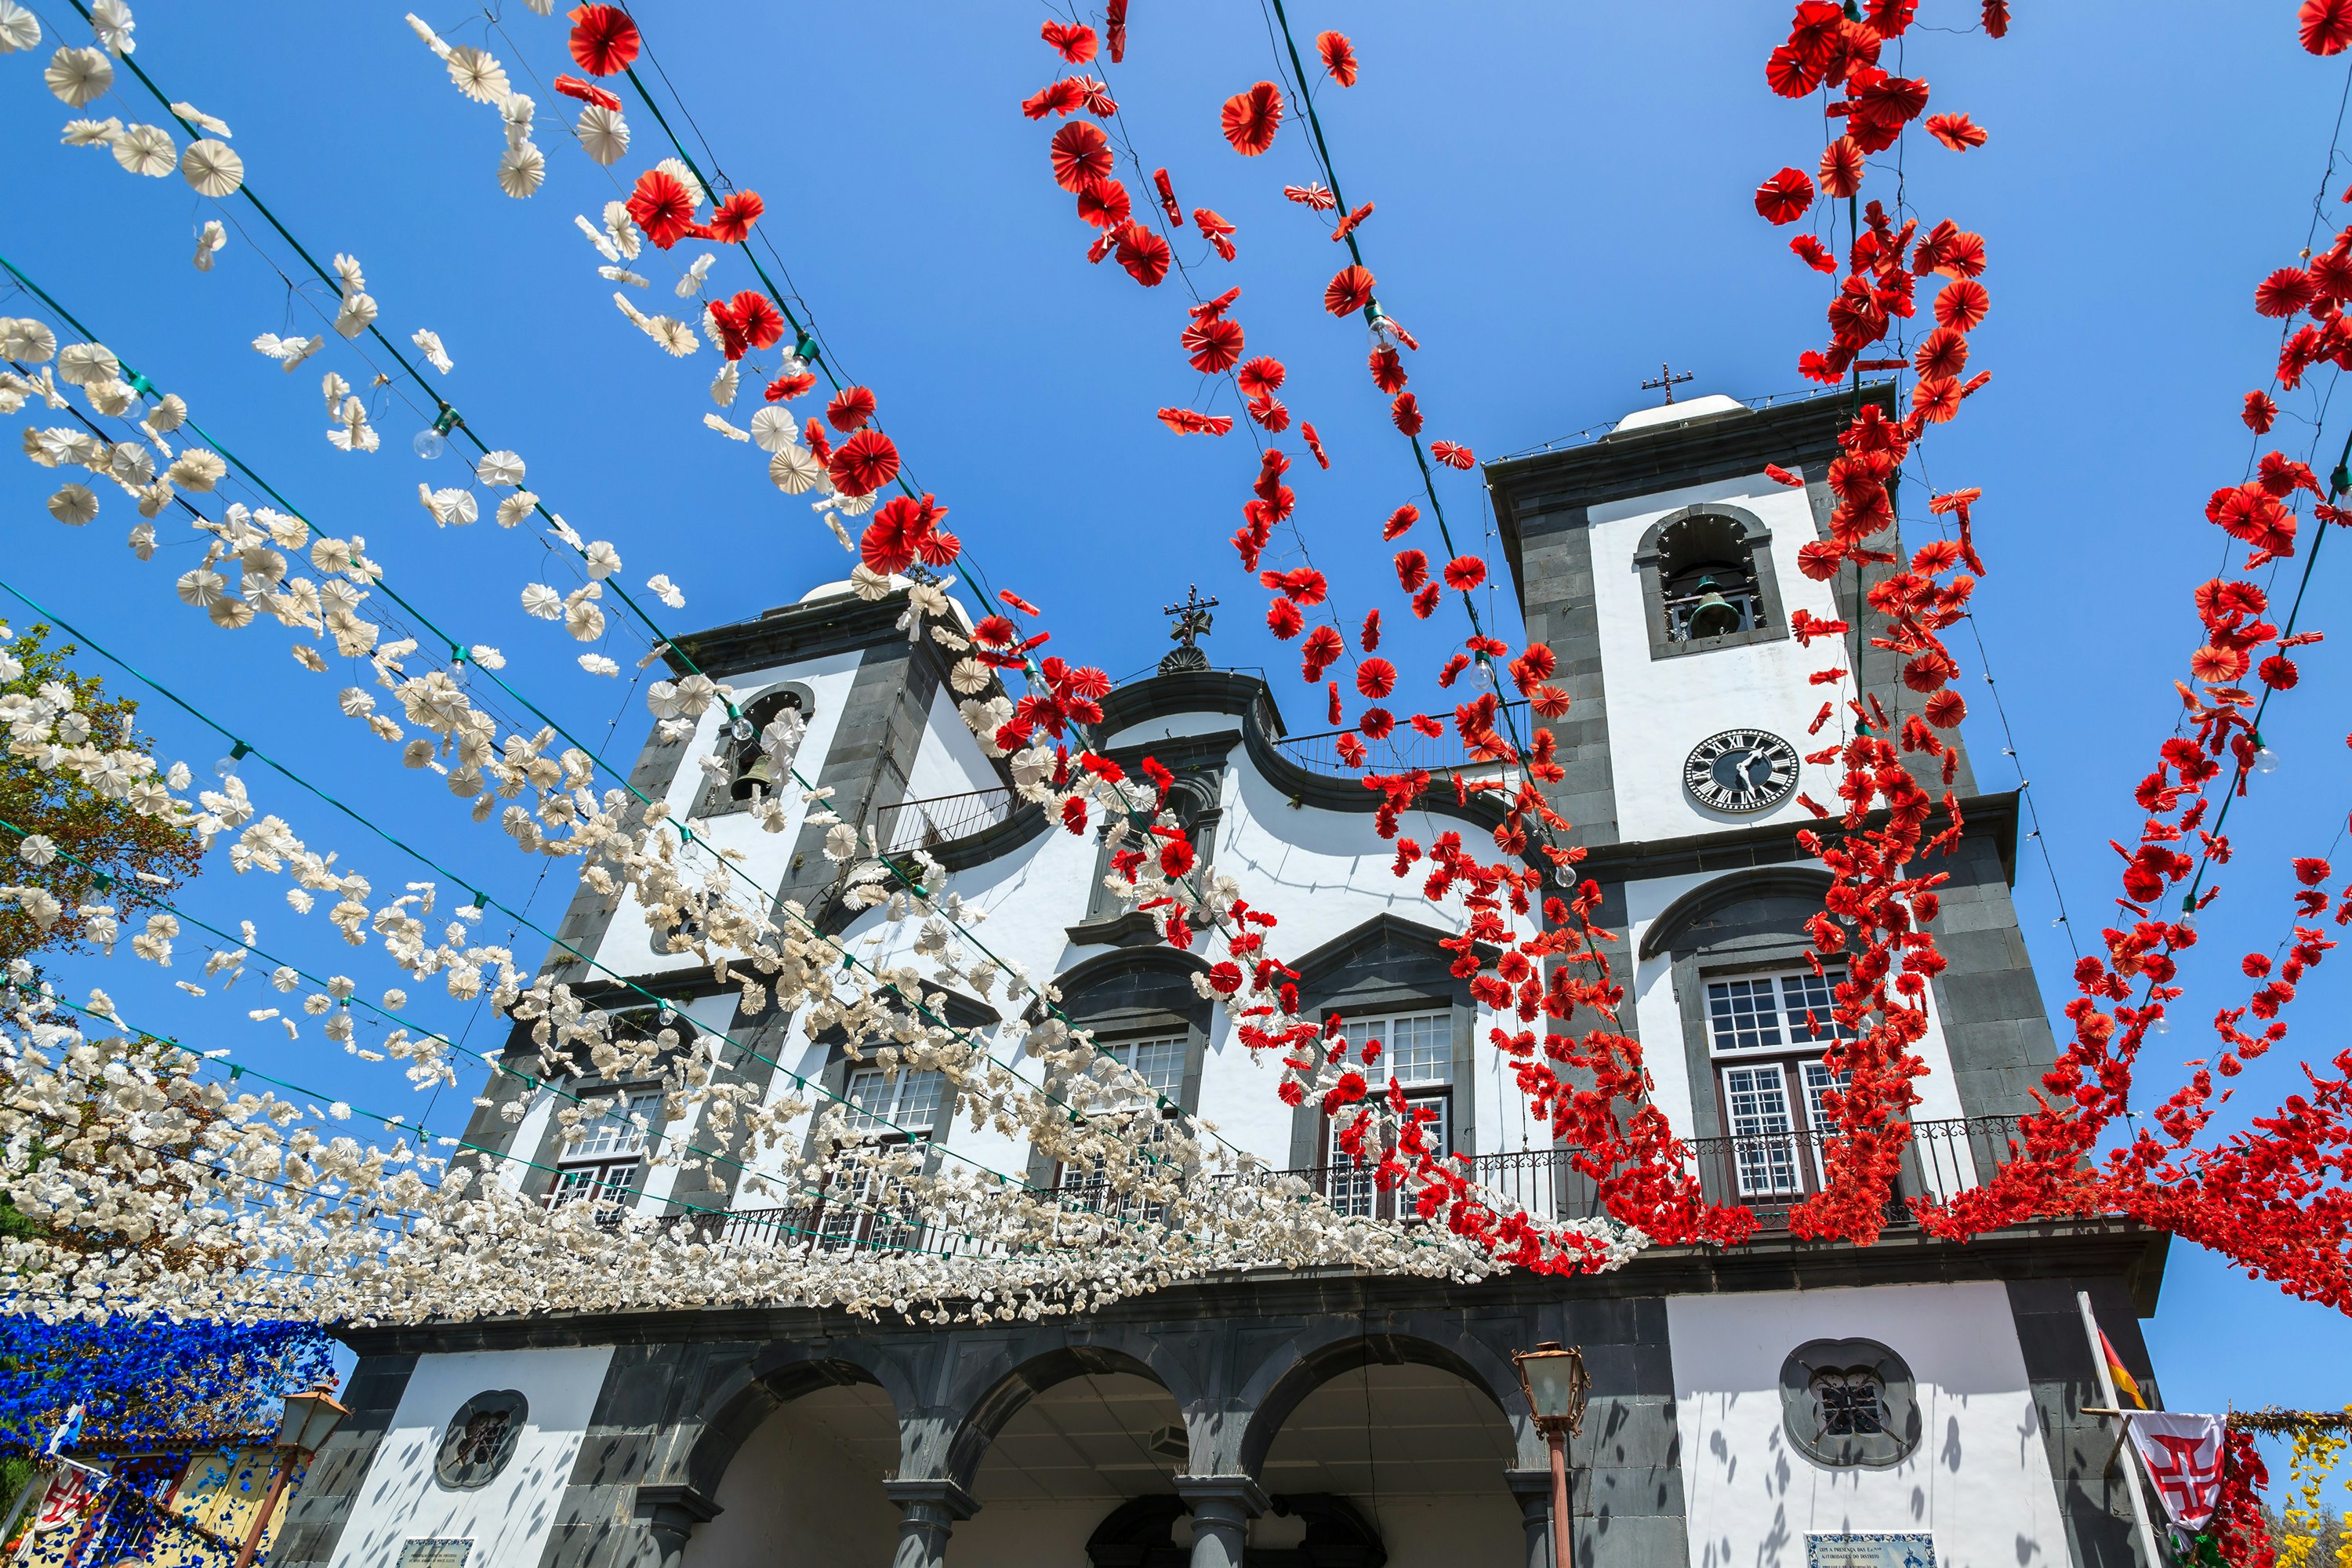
<point x="1440" y="1132"/>
<point x="1417" y="1048"/>
<point x="908" y="1101"/>
<point x="1805" y="992"/>
<point x="1758" y="1101"/>
<point x="613" y="1132"/>
<point x="1349" y="1185"/>
<point x="1743" y="1015"/>
<point x="1159" y="1063"/>
<point x="1820" y="1080"/>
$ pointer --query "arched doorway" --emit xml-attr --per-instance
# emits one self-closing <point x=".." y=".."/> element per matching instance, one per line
<point x="1072" y="1454"/>
<point x="804" y="1489"/>
<point x="1412" y="1447"/>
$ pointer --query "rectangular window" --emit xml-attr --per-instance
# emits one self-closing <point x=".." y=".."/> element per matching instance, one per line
<point x="1820" y="1080"/>
<point x="604" y="1163"/>
<point x="1159" y="1062"/>
<point x="1757" y="1099"/>
<point x="1774" y="1012"/>
<point x="1416" y="1049"/>
<point x="905" y="1103"/>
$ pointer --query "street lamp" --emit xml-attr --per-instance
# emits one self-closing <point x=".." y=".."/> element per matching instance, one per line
<point x="303" y="1428"/>
<point x="1556" y="1386"/>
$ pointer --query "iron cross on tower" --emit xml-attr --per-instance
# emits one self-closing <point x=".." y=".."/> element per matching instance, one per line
<point x="1191" y="623"/>
<point x="1666" y="379"/>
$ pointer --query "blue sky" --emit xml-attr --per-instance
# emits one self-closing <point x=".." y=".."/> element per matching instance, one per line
<point x="1563" y="202"/>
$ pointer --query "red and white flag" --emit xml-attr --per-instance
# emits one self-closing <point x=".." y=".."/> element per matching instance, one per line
<point x="2183" y="1456"/>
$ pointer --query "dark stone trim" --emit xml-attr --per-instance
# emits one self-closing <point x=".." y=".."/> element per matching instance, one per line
<point x="2093" y="1502"/>
<point x="2105" y="1250"/>
<point x="791" y="634"/>
<point x="1664" y="458"/>
<point x="1774" y="621"/>
<point x="1133" y="929"/>
<point x="1187" y="691"/>
<point x="317" y="1511"/>
<point x="1026" y="820"/>
<point x="1992" y="817"/>
<point x="1762" y="882"/>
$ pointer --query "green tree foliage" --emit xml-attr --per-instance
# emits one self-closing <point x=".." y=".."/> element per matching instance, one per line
<point x="128" y="861"/>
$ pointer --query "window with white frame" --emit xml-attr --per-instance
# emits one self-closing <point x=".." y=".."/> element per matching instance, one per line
<point x="1417" y="1050"/>
<point x="602" y="1164"/>
<point x="897" y="1108"/>
<point x="1767" y="1034"/>
<point x="1159" y="1062"/>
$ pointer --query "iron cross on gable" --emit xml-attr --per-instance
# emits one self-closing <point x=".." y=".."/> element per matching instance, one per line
<point x="1193" y="617"/>
<point x="1666" y="379"/>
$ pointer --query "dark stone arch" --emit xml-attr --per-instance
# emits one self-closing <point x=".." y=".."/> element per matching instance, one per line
<point x="986" y="1415"/>
<point x="1158" y="977"/>
<point x="1805" y="883"/>
<point x="1749" y="533"/>
<point x="1283" y="1382"/>
<point x="740" y="1403"/>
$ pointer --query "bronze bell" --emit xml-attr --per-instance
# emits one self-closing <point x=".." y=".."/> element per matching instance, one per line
<point x="1714" y="615"/>
<point x="761" y="774"/>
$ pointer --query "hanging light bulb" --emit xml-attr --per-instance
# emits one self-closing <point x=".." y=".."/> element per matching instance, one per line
<point x="2265" y="759"/>
<point x="227" y="765"/>
<point x="433" y="439"/>
<point x="739" y="728"/>
<point x="2164" y="1023"/>
<point x="2187" y="917"/>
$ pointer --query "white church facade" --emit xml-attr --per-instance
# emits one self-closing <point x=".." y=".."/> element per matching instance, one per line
<point x="1775" y="1404"/>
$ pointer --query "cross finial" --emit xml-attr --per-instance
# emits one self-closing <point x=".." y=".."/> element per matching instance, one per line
<point x="1192" y="622"/>
<point x="1193" y="617"/>
<point x="1666" y="379"/>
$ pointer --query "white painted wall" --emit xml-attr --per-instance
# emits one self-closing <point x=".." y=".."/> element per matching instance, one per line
<point x="1660" y="709"/>
<point x="1979" y="1479"/>
<point x="509" y="1519"/>
<point x="949" y="760"/>
<point x="627" y="945"/>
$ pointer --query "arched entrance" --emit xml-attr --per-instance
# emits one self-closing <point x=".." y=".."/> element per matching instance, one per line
<point x="1407" y="1440"/>
<point x="804" y="1488"/>
<point x="1072" y="1454"/>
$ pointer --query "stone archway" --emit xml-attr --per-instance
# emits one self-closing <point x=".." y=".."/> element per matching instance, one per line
<point x="790" y="1472"/>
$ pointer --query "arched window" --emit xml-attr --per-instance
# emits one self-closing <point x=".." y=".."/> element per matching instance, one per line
<point x="1707" y="582"/>
<point x="745" y="768"/>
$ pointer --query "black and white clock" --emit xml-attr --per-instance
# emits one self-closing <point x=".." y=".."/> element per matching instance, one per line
<point x="1741" y="771"/>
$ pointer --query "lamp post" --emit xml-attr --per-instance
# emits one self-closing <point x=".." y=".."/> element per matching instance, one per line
<point x="1556" y="1386"/>
<point x="304" y="1427"/>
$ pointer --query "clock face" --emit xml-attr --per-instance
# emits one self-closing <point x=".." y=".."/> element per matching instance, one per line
<point x="1741" y="771"/>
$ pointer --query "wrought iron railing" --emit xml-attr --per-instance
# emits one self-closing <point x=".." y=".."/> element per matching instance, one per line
<point x="940" y="818"/>
<point x="1770" y="1173"/>
<point x="1406" y="749"/>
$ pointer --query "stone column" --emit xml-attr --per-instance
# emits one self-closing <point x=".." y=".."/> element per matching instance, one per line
<point x="1533" y="1490"/>
<point x="670" y="1512"/>
<point x="1222" y="1508"/>
<point x="928" y="1513"/>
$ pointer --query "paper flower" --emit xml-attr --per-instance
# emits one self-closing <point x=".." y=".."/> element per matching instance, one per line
<point x="147" y="150"/>
<point x="74" y="506"/>
<point x="499" y="469"/>
<point x="852" y="408"/>
<point x="864" y="463"/>
<point x="1081" y="155"/>
<point x="78" y="76"/>
<point x="1250" y="118"/>
<point x="585" y="92"/>
<point x="604" y="40"/>
<point x="795" y="470"/>
<point x="520" y="169"/>
<point x="19" y="28"/>
<point x="212" y="167"/>
<point x="477" y="74"/>
<point x="1338" y="57"/>
<point x="603" y="134"/>
<point x="429" y="343"/>
<point x="210" y="124"/>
